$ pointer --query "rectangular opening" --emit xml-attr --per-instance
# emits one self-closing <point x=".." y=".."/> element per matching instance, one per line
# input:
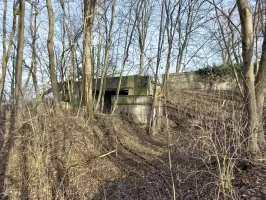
<point x="107" y="99"/>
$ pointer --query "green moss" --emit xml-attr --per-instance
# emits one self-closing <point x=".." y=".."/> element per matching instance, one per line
<point x="221" y="72"/>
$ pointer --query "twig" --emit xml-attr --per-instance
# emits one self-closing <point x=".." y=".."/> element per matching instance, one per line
<point x="106" y="154"/>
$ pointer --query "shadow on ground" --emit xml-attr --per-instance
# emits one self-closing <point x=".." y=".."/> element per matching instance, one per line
<point x="152" y="180"/>
<point x="147" y="175"/>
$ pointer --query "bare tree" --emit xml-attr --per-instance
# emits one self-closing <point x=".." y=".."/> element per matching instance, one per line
<point x="171" y="26"/>
<point x="187" y="13"/>
<point x="228" y="43"/>
<point x="99" y="49"/>
<point x="89" y="9"/>
<point x="260" y="95"/>
<point x="180" y="21"/>
<point x="254" y="99"/>
<point x="128" y="42"/>
<point x="50" y="46"/>
<point x="19" y="58"/>
<point x="258" y="16"/>
<point x="159" y="53"/>
<point x="33" y="31"/>
<point x="143" y="14"/>
<point x="7" y="52"/>
<point x="70" y="38"/>
<point x="106" y="55"/>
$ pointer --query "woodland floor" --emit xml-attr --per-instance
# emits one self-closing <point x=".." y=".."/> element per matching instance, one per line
<point x="67" y="157"/>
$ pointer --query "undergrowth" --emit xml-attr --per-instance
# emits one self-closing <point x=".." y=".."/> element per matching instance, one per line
<point x="196" y="155"/>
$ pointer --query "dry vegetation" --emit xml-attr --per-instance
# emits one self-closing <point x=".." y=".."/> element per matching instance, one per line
<point x="199" y="154"/>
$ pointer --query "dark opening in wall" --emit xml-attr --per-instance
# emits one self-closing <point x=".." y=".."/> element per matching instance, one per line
<point x="107" y="99"/>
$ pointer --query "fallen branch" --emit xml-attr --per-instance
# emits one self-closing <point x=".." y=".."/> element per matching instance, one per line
<point x="106" y="154"/>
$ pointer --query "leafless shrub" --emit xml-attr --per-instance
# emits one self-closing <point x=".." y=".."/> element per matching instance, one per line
<point x="215" y="137"/>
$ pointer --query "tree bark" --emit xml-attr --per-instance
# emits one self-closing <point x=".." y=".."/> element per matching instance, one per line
<point x="171" y="23"/>
<point x="50" y="46"/>
<point x="4" y="66"/>
<point x="248" y="73"/>
<point x="70" y="40"/>
<point x="159" y="53"/>
<point x="260" y="95"/>
<point x="6" y="55"/>
<point x="33" y="30"/>
<point x="99" y="50"/>
<point x="89" y="9"/>
<point x="19" y="57"/>
<point x="143" y="14"/>
<point x="256" y="30"/>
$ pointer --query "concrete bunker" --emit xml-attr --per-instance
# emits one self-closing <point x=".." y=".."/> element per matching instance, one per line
<point x="134" y="100"/>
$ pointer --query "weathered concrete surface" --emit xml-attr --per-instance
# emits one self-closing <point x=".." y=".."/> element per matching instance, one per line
<point x="138" y="108"/>
<point x="224" y="86"/>
<point x="133" y="100"/>
<point x="130" y="85"/>
<point x="136" y="85"/>
<point x="191" y="80"/>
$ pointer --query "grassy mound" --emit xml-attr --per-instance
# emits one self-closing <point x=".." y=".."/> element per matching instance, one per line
<point x="52" y="157"/>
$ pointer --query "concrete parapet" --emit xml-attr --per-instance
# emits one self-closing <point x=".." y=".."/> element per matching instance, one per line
<point x="192" y="80"/>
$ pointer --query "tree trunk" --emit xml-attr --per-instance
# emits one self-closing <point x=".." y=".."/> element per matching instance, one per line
<point x="89" y="9"/>
<point x="170" y="30"/>
<point x="70" y="40"/>
<point x="260" y="95"/>
<point x="6" y="55"/>
<point x="159" y="53"/>
<point x="248" y="73"/>
<point x="4" y="65"/>
<point x="256" y="30"/>
<point x="33" y="30"/>
<point x="167" y="69"/>
<point x="142" y="27"/>
<point x="99" y="50"/>
<point x="106" y="57"/>
<point x="50" y="46"/>
<point x="227" y="45"/>
<point x="141" y="61"/>
<point x="128" y="42"/>
<point x="182" y="45"/>
<point x="19" y="57"/>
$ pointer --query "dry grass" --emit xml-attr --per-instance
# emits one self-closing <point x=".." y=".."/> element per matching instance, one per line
<point x="213" y="128"/>
<point x="67" y="157"/>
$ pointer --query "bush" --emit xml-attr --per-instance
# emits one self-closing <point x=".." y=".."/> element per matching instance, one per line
<point x="220" y="71"/>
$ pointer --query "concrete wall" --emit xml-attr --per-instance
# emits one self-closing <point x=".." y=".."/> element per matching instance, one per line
<point x="136" y="85"/>
<point x="138" y="108"/>
<point x="152" y="87"/>
<point x="191" y="80"/>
